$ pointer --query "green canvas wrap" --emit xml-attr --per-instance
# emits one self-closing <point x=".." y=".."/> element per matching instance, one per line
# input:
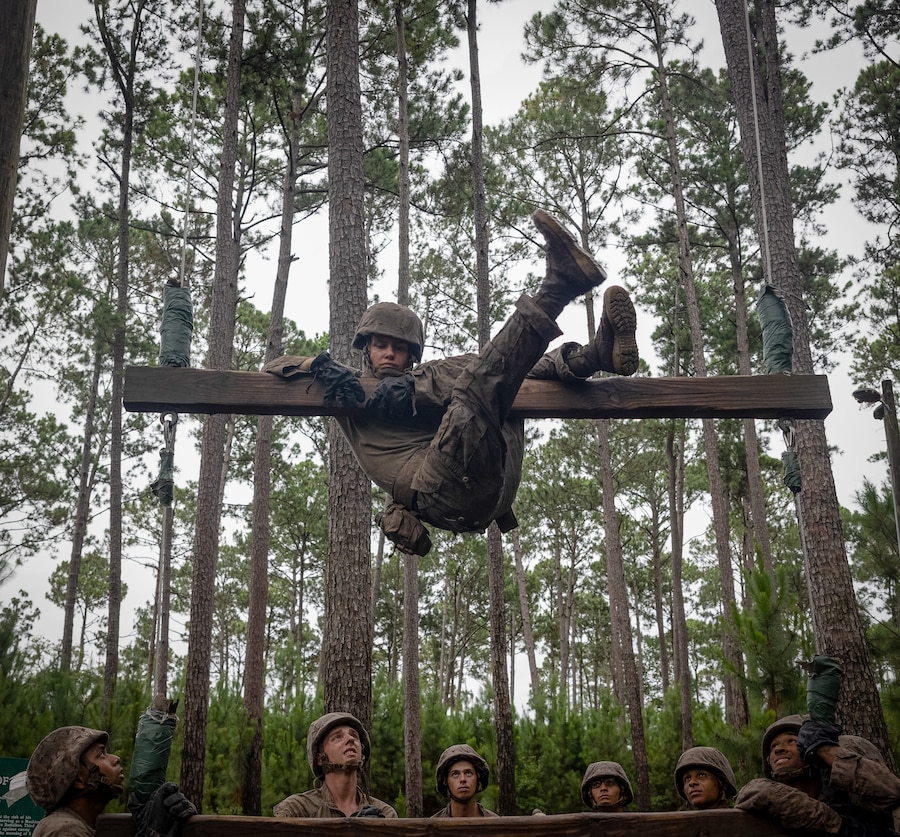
<point x="822" y="688"/>
<point x="777" y="332"/>
<point x="164" y="484"/>
<point x="177" y="327"/>
<point x="791" y="465"/>
<point x="152" y="745"/>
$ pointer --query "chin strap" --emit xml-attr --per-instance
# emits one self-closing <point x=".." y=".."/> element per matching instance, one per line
<point x="347" y="767"/>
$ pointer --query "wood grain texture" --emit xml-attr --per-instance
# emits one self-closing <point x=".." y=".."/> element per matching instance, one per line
<point x="163" y="388"/>
<point x="670" y="824"/>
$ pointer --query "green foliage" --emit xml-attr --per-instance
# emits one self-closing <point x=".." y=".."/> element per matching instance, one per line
<point x="768" y="639"/>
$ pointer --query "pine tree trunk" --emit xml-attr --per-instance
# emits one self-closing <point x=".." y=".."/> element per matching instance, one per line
<point x="254" y="672"/>
<point x="82" y="510"/>
<point x="527" y="631"/>
<point x="758" y="520"/>
<point x="618" y="607"/>
<point x="15" y="54"/>
<point x="348" y="622"/>
<point x="675" y="458"/>
<point x="215" y="436"/>
<point x="124" y="75"/>
<point x="835" y="614"/>
<point x="735" y="702"/>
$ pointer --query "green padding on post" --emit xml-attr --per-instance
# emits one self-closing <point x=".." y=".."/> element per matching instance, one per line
<point x="177" y="327"/>
<point x="777" y="332"/>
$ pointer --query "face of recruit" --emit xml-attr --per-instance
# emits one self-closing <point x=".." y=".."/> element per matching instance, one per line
<point x="388" y="355"/>
<point x="784" y="757"/>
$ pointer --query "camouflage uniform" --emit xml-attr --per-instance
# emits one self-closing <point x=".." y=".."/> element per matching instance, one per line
<point x="63" y="822"/>
<point x="482" y="812"/>
<point x="319" y="803"/>
<point x="460" y="471"/>
<point x="858" y="785"/>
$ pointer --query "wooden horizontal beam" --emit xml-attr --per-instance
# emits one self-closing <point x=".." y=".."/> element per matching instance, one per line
<point x="658" y="824"/>
<point x="161" y="389"/>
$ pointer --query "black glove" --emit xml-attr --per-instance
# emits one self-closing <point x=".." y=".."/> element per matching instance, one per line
<point x="851" y="827"/>
<point x="342" y="386"/>
<point x="163" y="813"/>
<point x="394" y="398"/>
<point x="812" y="735"/>
<point x="369" y="811"/>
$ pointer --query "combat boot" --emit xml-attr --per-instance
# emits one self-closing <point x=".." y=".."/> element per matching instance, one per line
<point x="571" y="271"/>
<point x="614" y="348"/>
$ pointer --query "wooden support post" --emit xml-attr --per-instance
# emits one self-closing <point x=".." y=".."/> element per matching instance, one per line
<point x="163" y="388"/>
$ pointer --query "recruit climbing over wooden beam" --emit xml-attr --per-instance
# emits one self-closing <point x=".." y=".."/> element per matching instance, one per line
<point x="159" y="388"/>
<point x="445" y="439"/>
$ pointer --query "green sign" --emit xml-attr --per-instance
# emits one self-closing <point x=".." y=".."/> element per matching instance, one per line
<point x="17" y="818"/>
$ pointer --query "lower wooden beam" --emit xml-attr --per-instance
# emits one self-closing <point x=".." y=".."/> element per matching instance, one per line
<point x="673" y="824"/>
<point x="170" y="389"/>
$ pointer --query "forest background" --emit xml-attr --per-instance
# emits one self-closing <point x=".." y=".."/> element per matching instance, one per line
<point x="554" y="149"/>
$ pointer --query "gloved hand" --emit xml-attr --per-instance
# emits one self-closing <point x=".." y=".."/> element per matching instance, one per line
<point x="823" y="687"/>
<point x="812" y="735"/>
<point x="163" y="813"/>
<point x="369" y="811"/>
<point x="342" y="386"/>
<point x="394" y="398"/>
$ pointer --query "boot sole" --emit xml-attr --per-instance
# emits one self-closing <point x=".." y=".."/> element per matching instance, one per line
<point x="558" y="236"/>
<point x="619" y="309"/>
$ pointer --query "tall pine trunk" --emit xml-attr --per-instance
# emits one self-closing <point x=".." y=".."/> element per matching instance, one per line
<point x="735" y="702"/>
<point x="835" y="614"/>
<point x="348" y="623"/>
<point x="215" y="436"/>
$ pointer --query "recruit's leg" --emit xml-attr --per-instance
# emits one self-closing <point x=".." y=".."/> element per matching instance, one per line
<point x="460" y="482"/>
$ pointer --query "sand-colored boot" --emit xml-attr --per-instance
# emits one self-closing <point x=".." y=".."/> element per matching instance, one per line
<point x="571" y="271"/>
<point x="614" y="348"/>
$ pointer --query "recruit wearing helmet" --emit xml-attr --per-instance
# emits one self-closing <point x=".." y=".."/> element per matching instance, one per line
<point x="710" y="758"/>
<point x="605" y="770"/>
<point x="319" y="728"/>
<point x="392" y="320"/>
<point x="460" y="752"/>
<point x="56" y="762"/>
<point x="789" y="723"/>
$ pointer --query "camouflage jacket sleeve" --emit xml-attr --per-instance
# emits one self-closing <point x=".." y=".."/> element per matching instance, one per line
<point x="869" y="784"/>
<point x="790" y="808"/>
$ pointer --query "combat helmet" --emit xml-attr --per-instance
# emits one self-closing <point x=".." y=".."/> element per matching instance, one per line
<point x="710" y="758"/>
<point x="56" y="761"/>
<point x="600" y="770"/>
<point x="395" y="321"/>
<point x="455" y="753"/>
<point x="319" y="728"/>
<point x="789" y="723"/>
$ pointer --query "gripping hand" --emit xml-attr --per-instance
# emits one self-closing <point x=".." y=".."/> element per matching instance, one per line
<point x="342" y="386"/>
<point x="394" y="398"/>
<point x="812" y="735"/>
<point x="163" y="813"/>
<point x="369" y="811"/>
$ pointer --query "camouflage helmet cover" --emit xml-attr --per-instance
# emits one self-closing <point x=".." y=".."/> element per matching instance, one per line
<point x="708" y="757"/>
<point x="453" y="754"/>
<point x="789" y="723"/>
<point x="395" y="321"/>
<point x="56" y="761"/>
<point x="601" y="770"/>
<point x="319" y="728"/>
